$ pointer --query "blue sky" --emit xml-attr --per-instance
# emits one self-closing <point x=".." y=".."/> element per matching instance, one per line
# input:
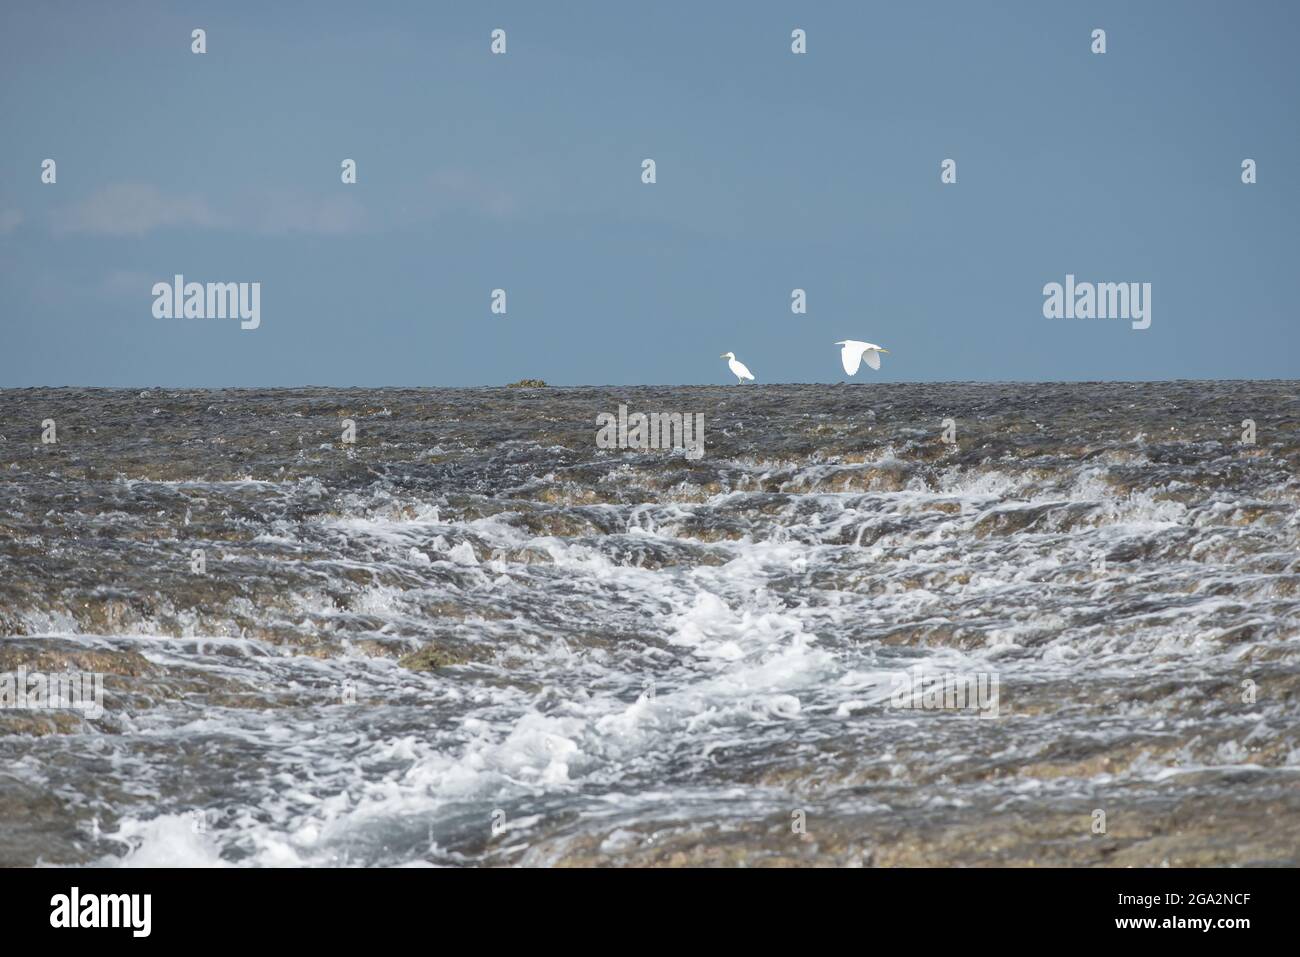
<point x="522" y="171"/>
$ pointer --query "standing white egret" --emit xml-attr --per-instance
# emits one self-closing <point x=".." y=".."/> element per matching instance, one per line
<point x="854" y="352"/>
<point x="738" y="368"/>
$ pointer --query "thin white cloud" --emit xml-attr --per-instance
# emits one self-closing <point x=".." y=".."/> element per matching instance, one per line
<point x="328" y="216"/>
<point x="138" y="209"/>
<point x="134" y="209"/>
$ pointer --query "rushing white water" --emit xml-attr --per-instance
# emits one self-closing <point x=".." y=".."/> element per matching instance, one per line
<point x="627" y="656"/>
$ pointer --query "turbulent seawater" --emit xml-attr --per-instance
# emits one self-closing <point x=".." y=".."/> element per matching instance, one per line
<point x="475" y="638"/>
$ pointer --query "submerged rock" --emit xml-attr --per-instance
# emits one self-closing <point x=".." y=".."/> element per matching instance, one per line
<point x="433" y="657"/>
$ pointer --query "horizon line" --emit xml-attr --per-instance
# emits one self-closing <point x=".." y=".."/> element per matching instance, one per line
<point x="638" y="385"/>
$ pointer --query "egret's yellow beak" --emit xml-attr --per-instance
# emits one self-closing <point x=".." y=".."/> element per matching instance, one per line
<point x="723" y="356"/>
<point x="883" y="350"/>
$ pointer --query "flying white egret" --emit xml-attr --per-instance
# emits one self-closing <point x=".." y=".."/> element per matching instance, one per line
<point x="737" y="367"/>
<point x="854" y="352"/>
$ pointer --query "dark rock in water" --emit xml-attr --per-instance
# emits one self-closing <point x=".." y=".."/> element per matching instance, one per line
<point x="56" y="657"/>
<point x="433" y="657"/>
<point x="528" y="384"/>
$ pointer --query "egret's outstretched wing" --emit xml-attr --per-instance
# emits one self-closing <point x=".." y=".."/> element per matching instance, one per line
<point x="850" y="358"/>
<point x="873" y="358"/>
<point x="851" y="355"/>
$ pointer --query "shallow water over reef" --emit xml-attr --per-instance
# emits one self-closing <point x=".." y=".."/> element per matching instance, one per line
<point x="474" y="637"/>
